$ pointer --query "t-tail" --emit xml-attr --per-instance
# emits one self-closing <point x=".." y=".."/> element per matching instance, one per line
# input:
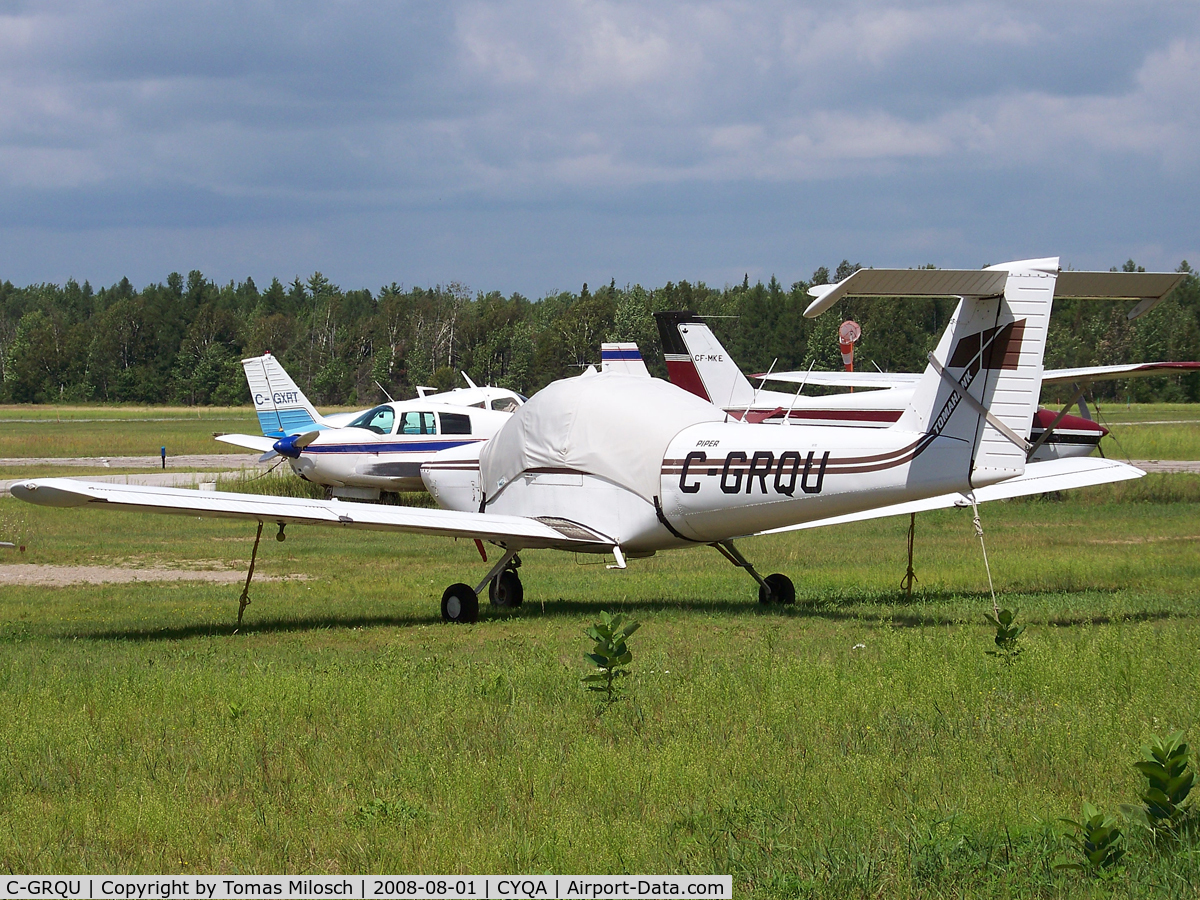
<point x="281" y="406"/>
<point x="698" y="363"/>
<point x="982" y="382"/>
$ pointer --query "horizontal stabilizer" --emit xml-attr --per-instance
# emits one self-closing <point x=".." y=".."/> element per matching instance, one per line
<point x="514" y="531"/>
<point x="1039" y="478"/>
<point x="249" y="441"/>
<point x="1151" y="288"/>
<point x="909" y="283"/>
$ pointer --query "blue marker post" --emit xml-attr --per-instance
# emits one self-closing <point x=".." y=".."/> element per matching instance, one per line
<point x="163" y="451"/>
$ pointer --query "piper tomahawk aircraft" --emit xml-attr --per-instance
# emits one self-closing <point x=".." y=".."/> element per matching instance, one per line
<point x="619" y="464"/>
<point x="697" y="362"/>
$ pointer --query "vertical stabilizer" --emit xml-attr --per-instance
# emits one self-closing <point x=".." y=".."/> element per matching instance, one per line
<point x="281" y="406"/>
<point x="625" y="358"/>
<point x="698" y="363"/>
<point x="983" y="380"/>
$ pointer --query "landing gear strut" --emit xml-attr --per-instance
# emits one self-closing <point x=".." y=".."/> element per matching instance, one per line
<point x="460" y="602"/>
<point x="505" y="590"/>
<point x="772" y="589"/>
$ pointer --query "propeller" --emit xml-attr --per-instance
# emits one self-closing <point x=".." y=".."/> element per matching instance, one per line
<point x="291" y="445"/>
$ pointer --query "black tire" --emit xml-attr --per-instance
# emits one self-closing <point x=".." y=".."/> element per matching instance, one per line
<point x="506" y="591"/>
<point x="778" y="589"/>
<point x="460" y="604"/>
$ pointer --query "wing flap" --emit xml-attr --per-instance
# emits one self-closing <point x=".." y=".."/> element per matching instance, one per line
<point x="513" y="531"/>
<point x="845" y="379"/>
<point x="1111" y="373"/>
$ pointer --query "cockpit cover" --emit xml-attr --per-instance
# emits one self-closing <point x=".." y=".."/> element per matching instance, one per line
<point x="610" y="424"/>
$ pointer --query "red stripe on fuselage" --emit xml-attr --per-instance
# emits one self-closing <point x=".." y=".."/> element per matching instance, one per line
<point x="832" y="416"/>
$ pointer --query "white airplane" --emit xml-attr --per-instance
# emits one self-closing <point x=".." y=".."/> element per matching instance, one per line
<point x="284" y="410"/>
<point x="358" y="455"/>
<point x="610" y="463"/>
<point x="697" y="362"/>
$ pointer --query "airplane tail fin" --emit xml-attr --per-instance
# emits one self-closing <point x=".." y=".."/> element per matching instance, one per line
<point x="281" y="406"/>
<point x="982" y="382"/>
<point x="698" y="363"/>
<point x="625" y="358"/>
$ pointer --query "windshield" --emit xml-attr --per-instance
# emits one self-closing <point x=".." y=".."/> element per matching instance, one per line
<point x="378" y="420"/>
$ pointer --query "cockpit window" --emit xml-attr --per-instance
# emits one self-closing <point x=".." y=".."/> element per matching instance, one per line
<point x="379" y="420"/>
<point x="455" y="423"/>
<point x="505" y="404"/>
<point x="417" y="423"/>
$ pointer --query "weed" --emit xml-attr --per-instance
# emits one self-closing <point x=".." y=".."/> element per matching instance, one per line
<point x="1169" y="780"/>
<point x="1007" y="635"/>
<point x="1098" y="840"/>
<point x="377" y="809"/>
<point x="611" y="653"/>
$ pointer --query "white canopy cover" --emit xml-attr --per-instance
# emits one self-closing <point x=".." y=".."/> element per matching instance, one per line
<point x="629" y="422"/>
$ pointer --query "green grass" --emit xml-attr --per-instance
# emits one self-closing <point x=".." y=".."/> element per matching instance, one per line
<point x="1152" y="431"/>
<point x="118" y="430"/>
<point x="346" y="729"/>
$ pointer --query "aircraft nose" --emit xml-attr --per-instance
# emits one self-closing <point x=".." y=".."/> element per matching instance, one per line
<point x="286" y="446"/>
<point x="291" y="445"/>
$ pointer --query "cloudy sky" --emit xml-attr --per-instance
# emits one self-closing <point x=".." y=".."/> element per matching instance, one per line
<point x="533" y="146"/>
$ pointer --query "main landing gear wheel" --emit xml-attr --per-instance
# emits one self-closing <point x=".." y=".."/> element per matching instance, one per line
<point x="506" y="590"/>
<point x="778" y="589"/>
<point x="460" y="603"/>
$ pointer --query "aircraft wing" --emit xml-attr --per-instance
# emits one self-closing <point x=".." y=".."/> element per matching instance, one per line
<point x="845" y="379"/>
<point x="512" y="531"/>
<point x="1039" y="478"/>
<point x="1111" y="373"/>
<point x="1052" y="376"/>
<point x="249" y="441"/>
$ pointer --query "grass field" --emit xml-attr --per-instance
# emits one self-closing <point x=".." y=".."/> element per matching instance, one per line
<point x="859" y="744"/>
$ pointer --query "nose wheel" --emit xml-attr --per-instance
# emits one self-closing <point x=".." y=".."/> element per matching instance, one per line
<point x="777" y="589"/>
<point x="772" y="589"/>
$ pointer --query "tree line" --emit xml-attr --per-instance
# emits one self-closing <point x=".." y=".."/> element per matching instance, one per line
<point x="182" y="341"/>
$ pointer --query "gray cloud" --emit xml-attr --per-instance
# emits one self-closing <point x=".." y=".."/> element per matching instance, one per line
<point x="635" y="139"/>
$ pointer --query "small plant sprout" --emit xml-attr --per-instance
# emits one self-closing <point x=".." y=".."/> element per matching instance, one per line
<point x="1098" y="840"/>
<point x="1169" y="780"/>
<point x="1007" y="634"/>
<point x="611" y="653"/>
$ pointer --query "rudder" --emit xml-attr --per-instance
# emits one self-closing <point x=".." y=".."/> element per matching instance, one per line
<point x="281" y="406"/>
